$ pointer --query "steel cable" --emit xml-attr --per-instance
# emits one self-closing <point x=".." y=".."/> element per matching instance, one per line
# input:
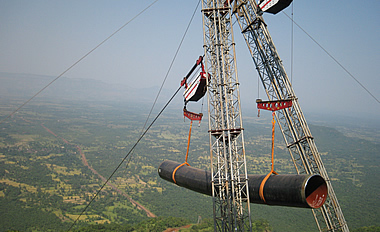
<point x="333" y="58"/>
<point x="83" y="57"/>
<point x="122" y="161"/>
<point x="147" y="129"/>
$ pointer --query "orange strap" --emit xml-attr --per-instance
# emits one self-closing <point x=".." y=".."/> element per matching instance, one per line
<point x="273" y="123"/>
<point x="261" y="190"/>
<point x="188" y="140"/>
<point x="187" y="154"/>
<point x="175" y="170"/>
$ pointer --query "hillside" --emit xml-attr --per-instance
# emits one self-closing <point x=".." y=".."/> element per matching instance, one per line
<point x="45" y="183"/>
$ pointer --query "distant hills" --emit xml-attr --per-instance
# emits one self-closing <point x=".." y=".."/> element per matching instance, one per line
<point x="18" y="86"/>
<point x="24" y="86"/>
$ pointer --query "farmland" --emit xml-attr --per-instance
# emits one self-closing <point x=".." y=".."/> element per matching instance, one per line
<point x="45" y="181"/>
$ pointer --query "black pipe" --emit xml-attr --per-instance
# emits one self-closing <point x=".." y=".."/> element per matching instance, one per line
<point x="305" y="191"/>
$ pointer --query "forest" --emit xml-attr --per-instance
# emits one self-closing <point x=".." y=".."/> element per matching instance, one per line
<point x="45" y="184"/>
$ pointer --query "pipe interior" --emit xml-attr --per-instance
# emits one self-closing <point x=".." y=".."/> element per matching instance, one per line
<point x="316" y="191"/>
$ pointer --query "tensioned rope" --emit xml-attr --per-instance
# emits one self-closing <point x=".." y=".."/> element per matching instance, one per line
<point x="147" y="129"/>
<point x="292" y="46"/>
<point x="167" y="73"/>
<point x="83" y="57"/>
<point x="163" y="82"/>
<point x="332" y="57"/>
<point x="171" y="64"/>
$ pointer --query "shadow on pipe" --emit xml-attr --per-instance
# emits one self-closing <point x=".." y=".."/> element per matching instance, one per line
<point x="305" y="191"/>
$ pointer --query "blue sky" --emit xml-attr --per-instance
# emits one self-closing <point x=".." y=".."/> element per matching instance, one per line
<point x="45" y="37"/>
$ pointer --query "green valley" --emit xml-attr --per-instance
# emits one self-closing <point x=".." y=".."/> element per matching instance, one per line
<point x="45" y="183"/>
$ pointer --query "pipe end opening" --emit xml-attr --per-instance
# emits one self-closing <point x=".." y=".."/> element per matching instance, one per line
<point x="316" y="191"/>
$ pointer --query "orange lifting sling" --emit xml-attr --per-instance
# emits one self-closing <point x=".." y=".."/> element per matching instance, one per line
<point x="193" y="117"/>
<point x="273" y="106"/>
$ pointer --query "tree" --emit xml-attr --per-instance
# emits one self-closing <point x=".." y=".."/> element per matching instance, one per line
<point x="261" y="225"/>
<point x="368" y="229"/>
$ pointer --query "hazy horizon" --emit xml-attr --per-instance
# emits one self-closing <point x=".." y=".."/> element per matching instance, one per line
<point x="45" y="38"/>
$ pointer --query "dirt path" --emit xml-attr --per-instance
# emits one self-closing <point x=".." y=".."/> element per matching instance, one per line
<point x="140" y="206"/>
<point x="85" y="162"/>
<point x="177" y="228"/>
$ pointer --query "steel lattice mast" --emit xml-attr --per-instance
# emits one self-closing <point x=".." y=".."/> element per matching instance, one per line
<point x="295" y="130"/>
<point x="228" y="164"/>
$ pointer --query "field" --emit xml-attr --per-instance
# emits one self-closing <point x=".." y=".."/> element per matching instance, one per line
<point x="45" y="183"/>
